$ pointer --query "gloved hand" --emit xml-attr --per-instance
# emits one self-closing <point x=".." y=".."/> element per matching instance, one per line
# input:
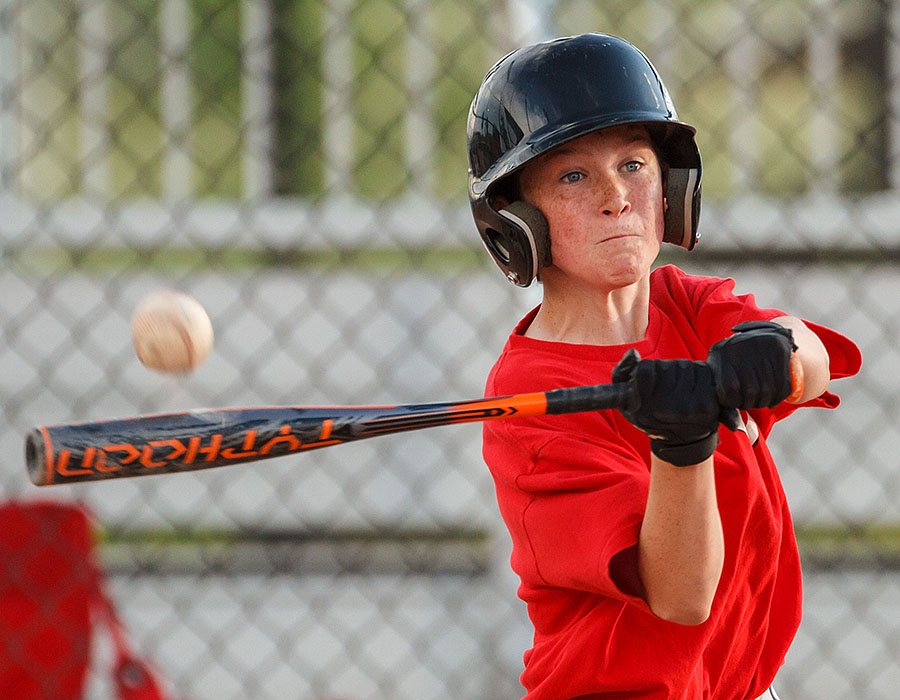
<point x="752" y="368"/>
<point x="674" y="402"/>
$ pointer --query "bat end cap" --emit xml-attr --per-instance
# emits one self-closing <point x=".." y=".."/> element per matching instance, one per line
<point x="35" y="459"/>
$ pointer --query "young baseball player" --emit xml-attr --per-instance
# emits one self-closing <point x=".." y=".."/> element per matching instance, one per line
<point x="654" y="545"/>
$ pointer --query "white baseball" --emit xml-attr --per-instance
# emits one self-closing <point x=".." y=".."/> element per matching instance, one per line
<point x="171" y="331"/>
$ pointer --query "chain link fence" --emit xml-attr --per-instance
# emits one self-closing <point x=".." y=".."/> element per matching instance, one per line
<point x="299" y="168"/>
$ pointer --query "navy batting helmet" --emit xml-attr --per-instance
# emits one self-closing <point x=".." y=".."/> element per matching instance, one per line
<point x="541" y="96"/>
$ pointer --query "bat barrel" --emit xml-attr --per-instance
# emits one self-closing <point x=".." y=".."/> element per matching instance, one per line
<point x="174" y="442"/>
<point x="179" y="442"/>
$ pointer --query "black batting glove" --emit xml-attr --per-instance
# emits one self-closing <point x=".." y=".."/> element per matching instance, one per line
<point x="674" y="402"/>
<point x="752" y="368"/>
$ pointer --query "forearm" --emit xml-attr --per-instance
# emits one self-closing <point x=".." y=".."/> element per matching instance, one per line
<point x="813" y="358"/>
<point x="681" y="548"/>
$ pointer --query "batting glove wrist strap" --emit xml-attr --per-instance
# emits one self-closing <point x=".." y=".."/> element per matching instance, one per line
<point x="685" y="455"/>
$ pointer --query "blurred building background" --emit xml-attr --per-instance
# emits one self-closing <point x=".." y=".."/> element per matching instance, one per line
<point x="299" y="167"/>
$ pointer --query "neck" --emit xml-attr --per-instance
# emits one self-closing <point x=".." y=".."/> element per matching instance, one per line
<point x="595" y="316"/>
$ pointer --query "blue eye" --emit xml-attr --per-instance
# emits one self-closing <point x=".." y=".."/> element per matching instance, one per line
<point x="572" y="177"/>
<point x="632" y="166"/>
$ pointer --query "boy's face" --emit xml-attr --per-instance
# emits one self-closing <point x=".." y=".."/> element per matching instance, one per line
<point x="602" y="196"/>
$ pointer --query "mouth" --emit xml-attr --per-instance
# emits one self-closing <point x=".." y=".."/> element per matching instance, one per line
<point x="618" y="236"/>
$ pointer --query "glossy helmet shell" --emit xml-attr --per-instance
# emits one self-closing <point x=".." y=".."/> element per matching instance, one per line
<point x="541" y="96"/>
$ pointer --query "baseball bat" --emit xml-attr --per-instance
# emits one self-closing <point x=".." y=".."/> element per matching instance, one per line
<point x="194" y="440"/>
<point x="203" y="439"/>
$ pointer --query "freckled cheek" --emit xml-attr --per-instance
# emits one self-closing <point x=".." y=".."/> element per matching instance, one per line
<point x="564" y="218"/>
<point x="652" y="204"/>
<point x="650" y="194"/>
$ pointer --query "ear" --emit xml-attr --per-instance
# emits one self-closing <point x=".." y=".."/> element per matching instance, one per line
<point x="499" y="202"/>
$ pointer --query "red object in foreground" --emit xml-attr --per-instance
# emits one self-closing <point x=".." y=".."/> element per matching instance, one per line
<point x="51" y="599"/>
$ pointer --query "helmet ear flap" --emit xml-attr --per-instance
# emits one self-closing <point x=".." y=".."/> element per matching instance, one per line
<point x="526" y="223"/>
<point x="683" y="211"/>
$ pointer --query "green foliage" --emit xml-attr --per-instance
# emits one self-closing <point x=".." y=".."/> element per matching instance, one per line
<point x="742" y="75"/>
<point x="215" y="63"/>
<point x="137" y="136"/>
<point x="299" y="104"/>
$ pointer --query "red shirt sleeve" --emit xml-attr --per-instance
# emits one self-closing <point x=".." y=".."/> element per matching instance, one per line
<point x="576" y="498"/>
<point x="717" y="309"/>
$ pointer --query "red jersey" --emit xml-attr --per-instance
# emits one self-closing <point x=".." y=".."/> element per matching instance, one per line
<point x="572" y="491"/>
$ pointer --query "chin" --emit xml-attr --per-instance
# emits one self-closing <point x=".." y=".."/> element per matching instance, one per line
<point x="620" y="281"/>
<point x="626" y="270"/>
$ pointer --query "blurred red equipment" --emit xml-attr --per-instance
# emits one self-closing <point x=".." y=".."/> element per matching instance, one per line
<point x="52" y="599"/>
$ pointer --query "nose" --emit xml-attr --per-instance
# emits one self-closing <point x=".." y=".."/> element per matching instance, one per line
<point x="612" y="196"/>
